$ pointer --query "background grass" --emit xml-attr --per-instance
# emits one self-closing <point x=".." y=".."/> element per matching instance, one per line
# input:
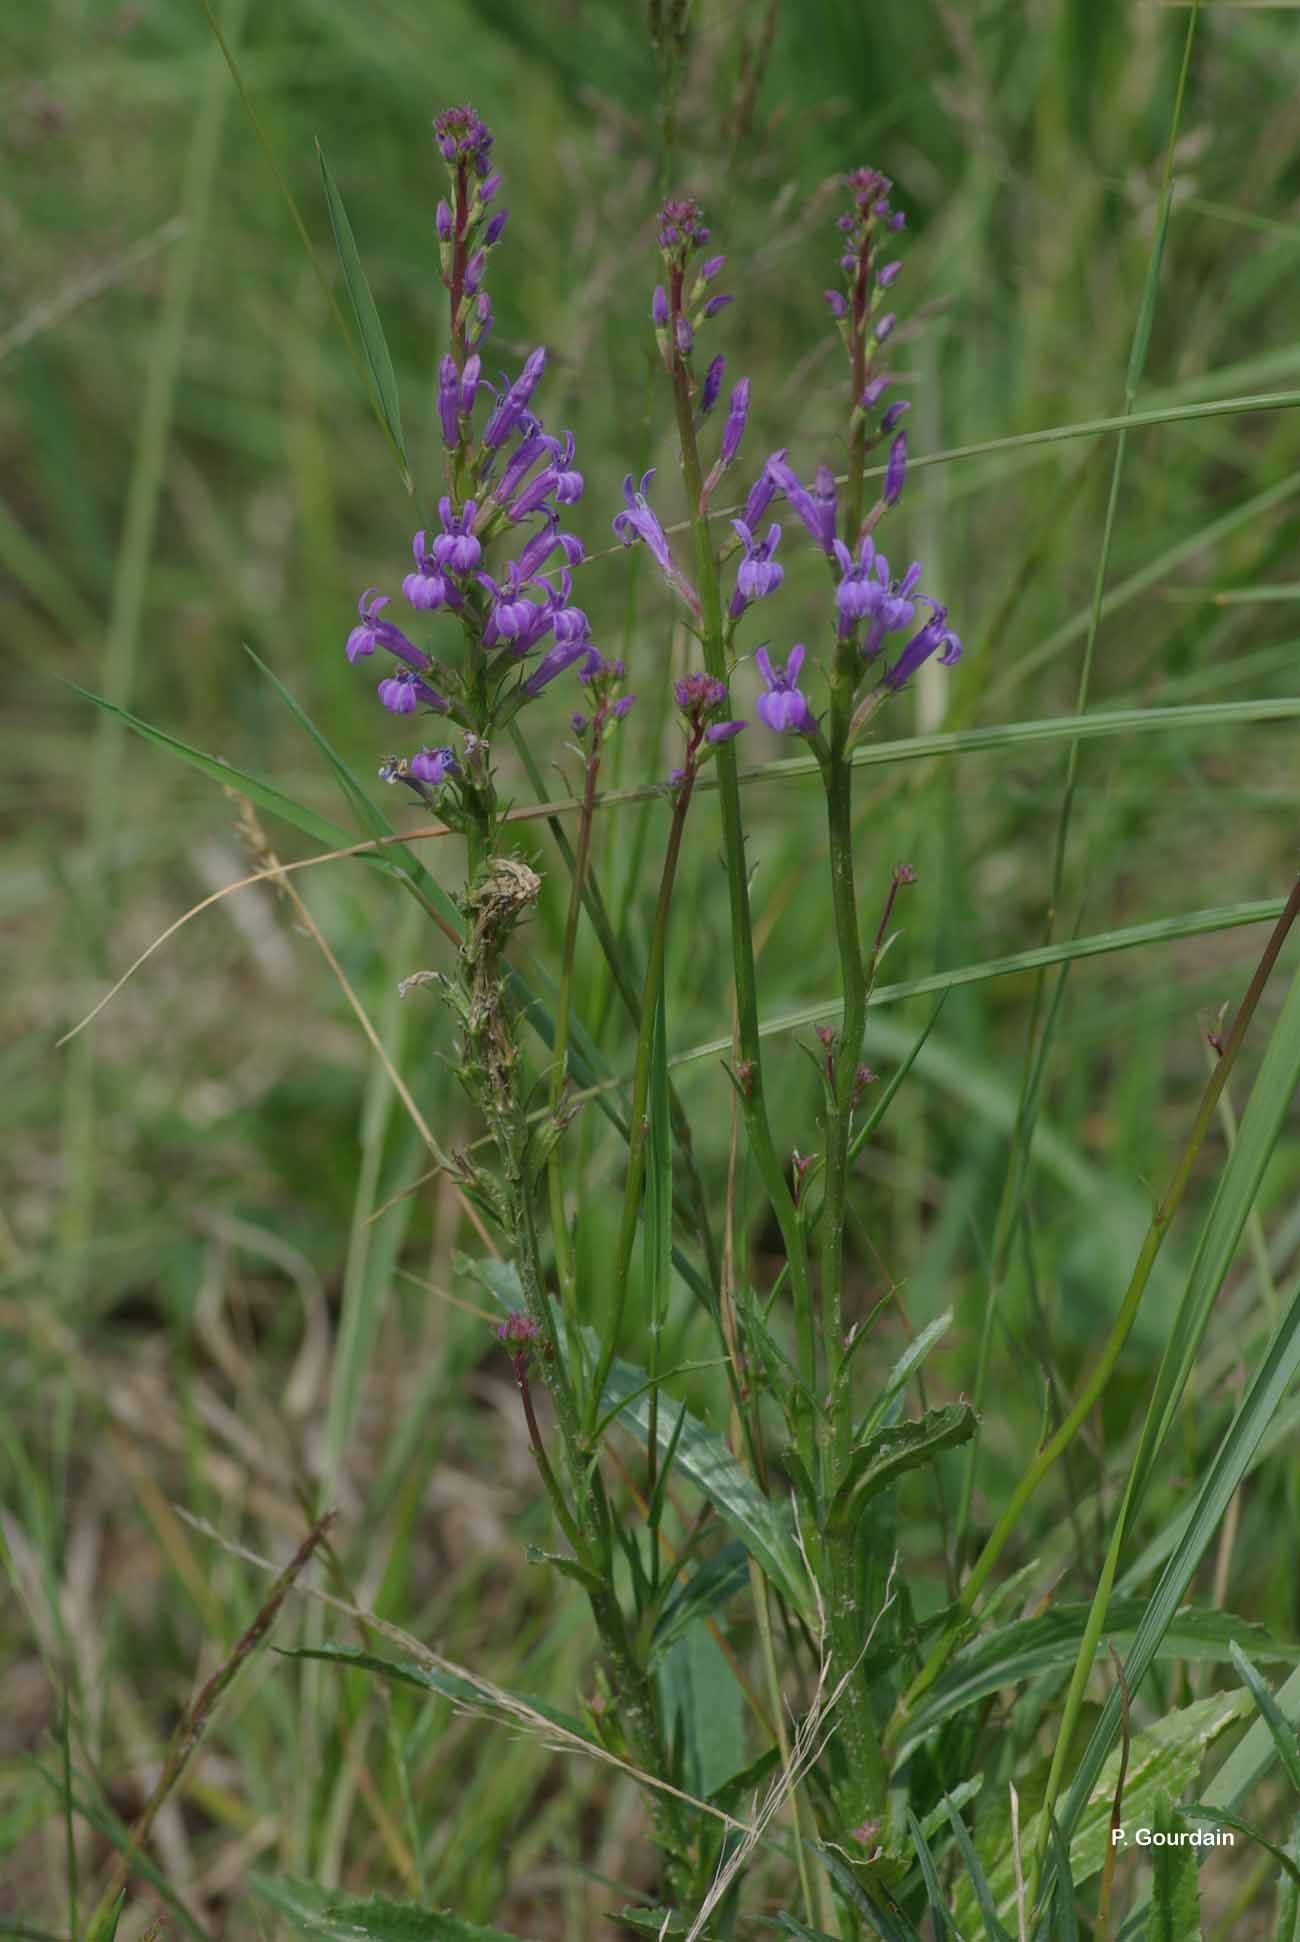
<point x="198" y="1309"/>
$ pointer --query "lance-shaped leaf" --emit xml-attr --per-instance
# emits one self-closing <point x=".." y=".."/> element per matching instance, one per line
<point x="890" y="1453"/>
<point x="374" y="345"/>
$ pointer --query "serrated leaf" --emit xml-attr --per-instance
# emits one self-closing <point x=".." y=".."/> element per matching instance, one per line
<point x="567" y="1567"/>
<point x="1163" y="1759"/>
<point x="905" y="1367"/>
<point x="324" y="1912"/>
<point x="374" y="345"/>
<point x="890" y="1453"/>
<point x="1175" y="1895"/>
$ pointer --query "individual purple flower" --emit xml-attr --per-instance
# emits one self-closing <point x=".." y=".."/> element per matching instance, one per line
<point x="737" y="418"/>
<point x="934" y="637"/>
<point x="711" y="309"/>
<point x="462" y="137"/>
<point x="469" y="383"/>
<point x="426" y="588"/>
<point x="894" y="413"/>
<point x="685" y="335"/>
<point x="482" y="319"/>
<point x="758" y="573"/>
<point x="895" y="470"/>
<point x="456" y="548"/>
<point x="885" y="326"/>
<point x="511" y="407"/>
<point x="763" y="490"/>
<point x="568" y="480"/>
<point x="541" y="546"/>
<point x="474" y="271"/>
<point x="888" y="272"/>
<point x="784" y="707"/>
<point x="449" y="402"/>
<point x="554" y="662"/>
<point x="816" y="508"/>
<point x="638" y="521"/>
<point x="837" y="303"/>
<point x="571" y="624"/>
<point x="894" y="608"/>
<point x="375" y="632"/>
<point x="711" y="268"/>
<point x="535" y="494"/>
<point x="530" y="449"/>
<point x="874" y="392"/>
<point x="712" y="386"/>
<point x="433" y="765"/>
<point x="492" y="234"/>
<point x="659" y="308"/>
<point x="861" y="585"/>
<point x="443" y="221"/>
<point x="724" y="731"/>
<point x="512" y="613"/>
<point x="402" y="694"/>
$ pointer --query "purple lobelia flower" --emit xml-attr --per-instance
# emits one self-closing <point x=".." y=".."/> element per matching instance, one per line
<point x="763" y="490"/>
<point x="935" y="637"/>
<point x="758" y="573"/>
<point x="568" y="480"/>
<point x="659" y="307"/>
<point x="449" y="402"/>
<point x="456" y="549"/>
<point x="375" y="632"/>
<point x="433" y="766"/>
<point x="895" y="470"/>
<point x="555" y="661"/>
<point x="712" y="386"/>
<point x="511" y="407"/>
<point x="402" y="694"/>
<point x="426" y="588"/>
<point x="638" y="522"/>
<point x="891" y="417"/>
<point x="894" y="607"/>
<point x="816" y="508"/>
<point x="724" y="731"/>
<point x="512" y="614"/>
<point x="784" y="707"/>
<point x="737" y="418"/>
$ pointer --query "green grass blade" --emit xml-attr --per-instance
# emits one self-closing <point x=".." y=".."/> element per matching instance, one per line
<point x="374" y="345"/>
<point x="1284" y="1734"/>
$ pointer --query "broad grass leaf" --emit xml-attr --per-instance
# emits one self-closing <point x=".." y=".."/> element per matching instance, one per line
<point x="702" y="1711"/>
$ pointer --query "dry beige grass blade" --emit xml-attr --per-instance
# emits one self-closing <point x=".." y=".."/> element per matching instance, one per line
<point x="492" y="1696"/>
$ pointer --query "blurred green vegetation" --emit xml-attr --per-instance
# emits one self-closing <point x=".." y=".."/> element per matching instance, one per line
<point x="197" y="1306"/>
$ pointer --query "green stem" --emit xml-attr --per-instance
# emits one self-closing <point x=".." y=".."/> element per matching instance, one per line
<point x="757" y="1125"/>
<point x="564" y="1263"/>
<point x="637" y="1125"/>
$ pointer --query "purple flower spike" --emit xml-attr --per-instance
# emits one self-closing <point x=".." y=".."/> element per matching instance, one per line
<point x="784" y="708"/>
<point x="433" y="765"/>
<point x="659" y="308"/>
<point x="712" y="386"/>
<point x="724" y="731"/>
<point x="456" y="549"/>
<point x="734" y="429"/>
<point x="695" y="693"/>
<point x="892" y="416"/>
<point x="896" y="470"/>
<point x="758" y="573"/>
<point x="461" y="137"/>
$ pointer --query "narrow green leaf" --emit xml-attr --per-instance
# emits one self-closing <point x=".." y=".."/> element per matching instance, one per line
<point x="373" y="343"/>
<point x="567" y="1567"/>
<point x="720" y="1579"/>
<point x="1284" y="1734"/>
<point x="993" y="1929"/>
<point x="324" y="1912"/>
<point x="429" y="1679"/>
<point x="702" y="1710"/>
<point x="930" y="1876"/>
<point x="906" y="1366"/>
<point x="264" y="794"/>
<point x="1175" y="1895"/>
<point x="704" y="1460"/>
